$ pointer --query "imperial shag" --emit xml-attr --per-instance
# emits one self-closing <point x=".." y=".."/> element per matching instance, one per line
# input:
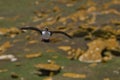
<point x="46" y="34"/>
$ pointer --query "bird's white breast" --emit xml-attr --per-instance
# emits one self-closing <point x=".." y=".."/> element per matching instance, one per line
<point x="46" y="34"/>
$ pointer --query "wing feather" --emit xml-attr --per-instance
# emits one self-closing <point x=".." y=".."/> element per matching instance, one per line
<point x="31" y="28"/>
<point x="60" y="32"/>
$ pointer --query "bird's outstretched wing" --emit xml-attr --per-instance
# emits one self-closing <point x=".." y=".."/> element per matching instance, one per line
<point x="61" y="33"/>
<point x="31" y="28"/>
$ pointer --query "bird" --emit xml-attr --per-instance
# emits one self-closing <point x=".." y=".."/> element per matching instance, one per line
<point x="45" y="34"/>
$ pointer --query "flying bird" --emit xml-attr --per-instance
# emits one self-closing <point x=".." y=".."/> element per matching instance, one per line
<point x="45" y="34"/>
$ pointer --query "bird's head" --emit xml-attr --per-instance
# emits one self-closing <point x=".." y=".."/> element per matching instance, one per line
<point x="46" y="29"/>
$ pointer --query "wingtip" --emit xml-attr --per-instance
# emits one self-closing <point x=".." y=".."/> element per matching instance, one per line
<point x="25" y="27"/>
<point x="22" y="29"/>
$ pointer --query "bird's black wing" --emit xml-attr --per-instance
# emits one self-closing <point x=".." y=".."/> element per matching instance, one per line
<point x="61" y="33"/>
<point x="31" y="28"/>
